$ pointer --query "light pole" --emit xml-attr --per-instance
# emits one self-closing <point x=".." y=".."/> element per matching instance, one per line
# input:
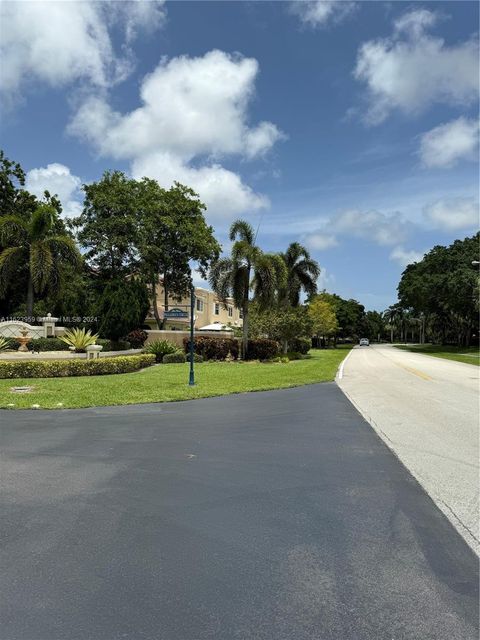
<point x="475" y="263"/>
<point x="191" y="380"/>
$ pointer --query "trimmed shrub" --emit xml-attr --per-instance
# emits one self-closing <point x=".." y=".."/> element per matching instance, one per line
<point x="294" y="355"/>
<point x="106" y="344"/>
<point x="137" y="338"/>
<point x="118" y="345"/>
<point x="170" y="358"/>
<point x="213" y="348"/>
<point x="76" y="367"/>
<point x="196" y="358"/>
<point x="161" y="348"/>
<point x="262" y="349"/>
<point x="300" y="345"/>
<point x="42" y="344"/>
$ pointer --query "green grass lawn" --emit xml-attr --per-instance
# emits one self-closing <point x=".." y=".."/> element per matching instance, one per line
<point x="469" y="355"/>
<point x="166" y="383"/>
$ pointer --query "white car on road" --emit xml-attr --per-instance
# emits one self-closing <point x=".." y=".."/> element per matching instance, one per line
<point x="364" y="342"/>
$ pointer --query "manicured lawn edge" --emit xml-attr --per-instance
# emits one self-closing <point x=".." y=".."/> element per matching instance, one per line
<point x="169" y="383"/>
<point x="437" y="351"/>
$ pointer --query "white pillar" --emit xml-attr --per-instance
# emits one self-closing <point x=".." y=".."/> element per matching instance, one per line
<point x="49" y="325"/>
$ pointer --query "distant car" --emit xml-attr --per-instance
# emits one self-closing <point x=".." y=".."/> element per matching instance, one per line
<point x="364" y="342"/>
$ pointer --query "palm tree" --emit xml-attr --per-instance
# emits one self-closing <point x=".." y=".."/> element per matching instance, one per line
<point x="302" y="274"/>
<point x="40" y="244"/>
<point x="398" y="318"/>
<point x="247" y="269"/>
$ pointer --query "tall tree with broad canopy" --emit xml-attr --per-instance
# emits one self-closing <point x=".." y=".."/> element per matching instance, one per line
<point x="248" y="269"/>
<point x="302" y="275"/>
<point x="444" y="286"/>
<point x="350" y="315"/>
<point x="107" y="228"/>
<point x="173" y="234"/>
<point x="40" y="246"/>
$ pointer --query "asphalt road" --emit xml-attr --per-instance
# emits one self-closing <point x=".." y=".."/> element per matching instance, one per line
<point x="427" y="411"/>
<point x="269" y="516"/>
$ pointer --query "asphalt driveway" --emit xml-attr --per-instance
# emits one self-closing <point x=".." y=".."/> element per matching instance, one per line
<point x="267" y="516"/>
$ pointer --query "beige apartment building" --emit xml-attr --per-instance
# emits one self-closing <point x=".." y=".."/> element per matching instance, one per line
<point x="209" y="310"/>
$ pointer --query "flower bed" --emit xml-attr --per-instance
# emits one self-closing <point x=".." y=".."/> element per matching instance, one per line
<point x="67" y="368"/>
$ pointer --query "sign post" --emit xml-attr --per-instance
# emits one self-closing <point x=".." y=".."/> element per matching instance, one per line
<point x="191" y="380"/>
<point x="177" y="313"/>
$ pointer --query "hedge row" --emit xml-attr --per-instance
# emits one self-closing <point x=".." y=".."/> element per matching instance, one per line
<point x="262" y="349"/>
<point x="77" y="367"/>
<point x="42" y="344"/>
<point x="55" y="344"/>
<point x="218" y="348"/>
<point x="213" y="348"/>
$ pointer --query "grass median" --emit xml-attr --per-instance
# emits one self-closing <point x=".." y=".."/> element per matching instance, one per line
<point x="468" y="355"/>
<point x="167" y="383"/>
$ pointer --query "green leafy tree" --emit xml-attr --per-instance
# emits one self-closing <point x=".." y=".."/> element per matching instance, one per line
<point x="374" y="325"/>
<point x="16" y="201"/>
<point x="350" y="315"/>
<point x="173" y="234"/>
<point x="280" y="324"/>
<point x="443" y="290"/>
<point x="302" y="274"/>
<point x="122" y="307"/>
<point x="323" y="317"/>
<point x="38" y="246"/>
<point x="247" y="269"/>
<point x="107" y="228"/>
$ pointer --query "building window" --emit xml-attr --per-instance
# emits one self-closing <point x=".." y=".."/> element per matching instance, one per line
<point x="199" y="305"/>
<point x="230" y="312"/>
<point x="216" y="308"/>
<point x="240" y="313"/>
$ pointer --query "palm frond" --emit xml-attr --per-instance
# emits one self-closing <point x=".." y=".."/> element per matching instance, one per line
<point x="268" y="278"/>
<point x="64" y="248"/>
<point x="243" y="230"/>
<point x="243" y="251"/>
<point x="42" y="221"/>
<point x="13" y="230"/>
<point x="11" y="260"/>
<point x="240" y="280"/>
<point x="219" y="277"/>
<point x="41" y="263"/>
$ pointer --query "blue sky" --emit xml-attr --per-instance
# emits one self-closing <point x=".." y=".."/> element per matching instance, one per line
<point x="349" y="126"/>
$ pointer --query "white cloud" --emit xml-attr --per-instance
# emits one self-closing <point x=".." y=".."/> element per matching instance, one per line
<point x="57" y="179"/>
<point x="383" y="229"/>
<point x="145" y="15"/>
<point x="454" y="213"/>
<point x="319" y="12"/>
<point x="223" y="191"/>
<point x="194" y="112"/>
<point x="320" y="241"/>
<point x="448" y="143"/>
<point x="411" y="69"/>
<point x="405" y="257"/>
<point x="191" y="107"/>
<point x="325" y="279"/>
<point x="60" y="42"/>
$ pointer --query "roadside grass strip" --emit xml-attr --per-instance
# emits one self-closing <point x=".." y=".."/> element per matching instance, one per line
<point x="467" y="355"/>
<point x="167" y="383"/>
